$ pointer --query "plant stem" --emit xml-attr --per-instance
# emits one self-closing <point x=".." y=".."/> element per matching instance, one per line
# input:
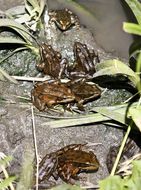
<point x="121" y="149"/>
<point x="35" y="145"/>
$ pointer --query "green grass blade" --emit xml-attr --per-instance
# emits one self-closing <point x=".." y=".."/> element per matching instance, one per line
<point x="118" y="116"/>
<point x="135" y="6"/>
<point x="20" y="29"/>
<point x="11" y="40"/>
<point x="136" y="116"/>
<point x="138" y="70"/>
<point x="42" y="6"/>
<point x="91" y="118"/>
<point x="103" y="115"/>
<point x="33" y="3"/>
<point x="5" y="161"/>
<point x="26" y="178"/>
<point x="132" y="28"/>
<point x="15" y="51"/>
<point x="6" y="75"/>
<point x="6" y="182"/>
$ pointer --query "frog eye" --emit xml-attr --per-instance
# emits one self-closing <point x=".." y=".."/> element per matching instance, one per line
<point x="78" y="49"/>
<point x="49" y="47"/>
<point x="84" y="46"/>
<point x="68" y="23"/>
<point x="59" y="55"/>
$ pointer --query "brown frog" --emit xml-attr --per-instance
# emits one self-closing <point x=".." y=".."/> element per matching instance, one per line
<point x="51" y="62"/>
<point x="84" y="62"/>
<point x="84" y="92"/>
<point x="63" y="19"/>
<point x="67" y="163"/>
<point x="51" y="93"/>
<point x="73" y="160"/>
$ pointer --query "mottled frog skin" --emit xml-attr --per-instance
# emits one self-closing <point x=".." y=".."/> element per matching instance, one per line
<point x="67" y="163"/>
<point x="73" y="161"/>
<point x="64" y="19"/>
<point x="84" y="62"/>
<point x="47" y="94"/>
<point x="51" y="62"/>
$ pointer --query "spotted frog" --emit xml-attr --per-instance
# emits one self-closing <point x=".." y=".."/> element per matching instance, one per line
<point x="84" y="62"/>
<point x="63" y="19"/>
<point x="51" y="93"/>
<point x="67" y="163"/>
<point x="51" y="62"/>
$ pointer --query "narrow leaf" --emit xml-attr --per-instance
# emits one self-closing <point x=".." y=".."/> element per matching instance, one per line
<point x="118" y="116"/>
<point x="92" y="118"/>
<point x="5" y="161"/>
<point x="136" y="116"/>
<point x="10" y="54"/>
<point x="33" y="3"/>
<point x="8" y="76"/>
<point x="112" y="183"/>
<point x="42" y="6"/>
<point x="6" y="182"/>
<point x="11" y="40"/>
<point x="20" y="29"/>
<point x="132" y="28"/>
<point x="135" y="6"/>
<point x="119" y="110"/>
<point x="26" y="179"/>
<point x="112" y="67"/>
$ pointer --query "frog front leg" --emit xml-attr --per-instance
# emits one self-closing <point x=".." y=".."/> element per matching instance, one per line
<point x="63" y="67"/>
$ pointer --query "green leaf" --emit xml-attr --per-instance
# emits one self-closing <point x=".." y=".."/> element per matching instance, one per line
<point x="91" y="118"/>
<point x="117" y="115"/>
<point x="2" y="77"/>
<point x="133" y="182"/>
<point x="136" y="116"/>
<point x="103" y="115"/>
<point x="13" y="52"/>
<point x="33" y="3"/>
<point x="12" y="40"/>
<point x="132" y="28"/>
<point x="42" y="6"/>
<point x="6" y="182"/>
<point x="136" y="8"/>
<point x="111" y="183"/>
<point x="5" y="161"/>
<point x="20" y="29"/>
<point x="26" y="178"/>
<point x="113" y="67"/>
<point x="23" y="18"/>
